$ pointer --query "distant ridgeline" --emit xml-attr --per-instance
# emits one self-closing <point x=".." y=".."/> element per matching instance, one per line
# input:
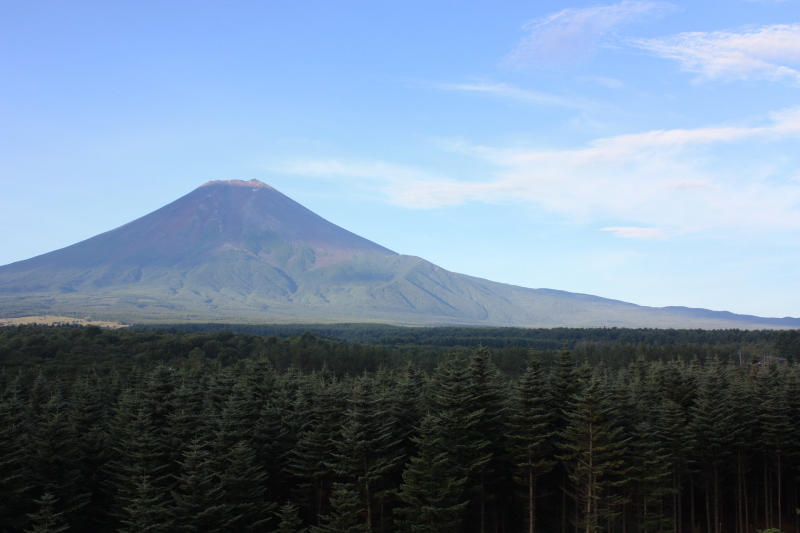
<point x="240" y="432"/>
<point x="356" y="348"/>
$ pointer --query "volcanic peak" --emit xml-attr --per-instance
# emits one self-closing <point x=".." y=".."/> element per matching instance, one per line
<point x="239" y="183"/>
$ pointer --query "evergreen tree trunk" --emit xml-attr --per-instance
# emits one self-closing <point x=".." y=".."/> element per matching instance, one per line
<point x="564" y="504"/>
<point x="531" y="503"/>
<point x="766" y="493"/>
<point x="780" y="494"/>
<point x="746" y="525"/>
<point x="716" y="500"/>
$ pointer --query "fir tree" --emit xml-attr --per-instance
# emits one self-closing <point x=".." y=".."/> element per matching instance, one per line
<point x="55" y="459"/>
<point x="774" y="432"/>
<point x="315" y="451"/>
<point x="592" y="452"/>
<point x="242" y="489"/>
<point x="87" y="417"/>
<point x="459" y="421"/>
<point x="145" y="510"/>
<point x="743" y="403"/>
<point x="530" y="439"/>
<point x="563" y="384"/>
<point x="714" y="429"/>
<point x="197" y="496"/>
<point x="138" y="475"/>
<point x="433" y="485"/>
<point x="185" y="421"/>
<point x="46" y="519"/>
<point x="346" y="512"/>
<point x="678" y="444"/>
<point x="488" y="396"/>
<point x="366" y="453"/>
<point x="289" y="522"/>
<point x="650" y="473"/>
<point x="15" y="476"/>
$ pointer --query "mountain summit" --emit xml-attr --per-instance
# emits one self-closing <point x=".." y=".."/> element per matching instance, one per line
<point x="242" y="251"/>
<point x="248" y="217"/>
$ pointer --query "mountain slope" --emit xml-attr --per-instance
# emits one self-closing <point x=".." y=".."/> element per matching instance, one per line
<point x="242" y="251"/>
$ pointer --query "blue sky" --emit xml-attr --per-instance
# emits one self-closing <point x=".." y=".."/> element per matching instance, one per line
<point x="642" y="151"/>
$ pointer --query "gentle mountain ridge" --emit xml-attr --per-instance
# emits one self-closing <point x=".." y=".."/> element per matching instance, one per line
<point x="243" y="252"/>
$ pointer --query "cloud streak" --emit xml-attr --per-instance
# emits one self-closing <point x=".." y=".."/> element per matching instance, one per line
<point x="654" y="185"/>
<point x="677" y="179"/>
<point x="636" y="233"/>
<point x="761" y="53"/>
<point x="504" y="90"/>
<point x="572" y="34"/>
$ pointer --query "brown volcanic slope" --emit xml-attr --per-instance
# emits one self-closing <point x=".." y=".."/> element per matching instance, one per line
<point x="241" y="251"/>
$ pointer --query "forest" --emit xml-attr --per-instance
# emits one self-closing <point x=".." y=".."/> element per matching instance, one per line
<point x="147" y="430"/>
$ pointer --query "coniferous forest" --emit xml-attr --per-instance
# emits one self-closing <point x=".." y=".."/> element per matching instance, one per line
<point x="148" y="431"/>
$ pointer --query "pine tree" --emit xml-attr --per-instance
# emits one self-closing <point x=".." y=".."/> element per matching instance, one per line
<point x="679" y="446"/>
<point x="159" y="395"/>
<point x="650" y="473"/>
<point x="236" y="419"/>
<point x="289" y="413"/>
<point x="488" y="395"/>
<point x="775" y="432"/>
<point x="220" y="388"/>
<point x="197" y="496"/>
<point x="146" y="509"/>
<point x="346" y="512"/>
<point x="15" y="477"/>
<point x="529" y="435"/>
<point x="87" y="417"/>
<point x="55" y="459"/>
<point x="433" y="484"/>
<point x="460" y="430"/>
<point x="312" y="457"/>
<point x="366" y="453"/>
<point x="713" y="428"/>
<point x="404" y="402"/>
<point x="563" y="384"/>
<point x="261" y="380"/>
<point x="46" y="519"/>
<point x="592" y="451"/>
<point x="743" y="404"/>
<point x="185" y="422"/>
<point x="242" y="489"/>
<point x="137" y="474"/>
<point x="40" y="393"/>
<point x="289" y="521"/>
<point x="266" y="427"/>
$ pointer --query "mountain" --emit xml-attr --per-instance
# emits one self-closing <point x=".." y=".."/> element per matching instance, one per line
<point x="240" y="251"/>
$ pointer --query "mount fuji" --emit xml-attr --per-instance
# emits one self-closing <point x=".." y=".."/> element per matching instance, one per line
<point x="240" y="251"/>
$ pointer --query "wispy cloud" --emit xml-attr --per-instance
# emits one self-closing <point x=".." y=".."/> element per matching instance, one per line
<point x="761" y="53"/>
<point x="636" y="233"/>
<point x="661" y="179"/>
<point x="572" y="34"/>
<point x="504" y="90"/>
<point x="662" y="183"/>
<point x="611" y="83"/>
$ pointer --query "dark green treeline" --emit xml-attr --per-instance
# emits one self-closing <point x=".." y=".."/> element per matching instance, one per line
<point x="650" y="446"/>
